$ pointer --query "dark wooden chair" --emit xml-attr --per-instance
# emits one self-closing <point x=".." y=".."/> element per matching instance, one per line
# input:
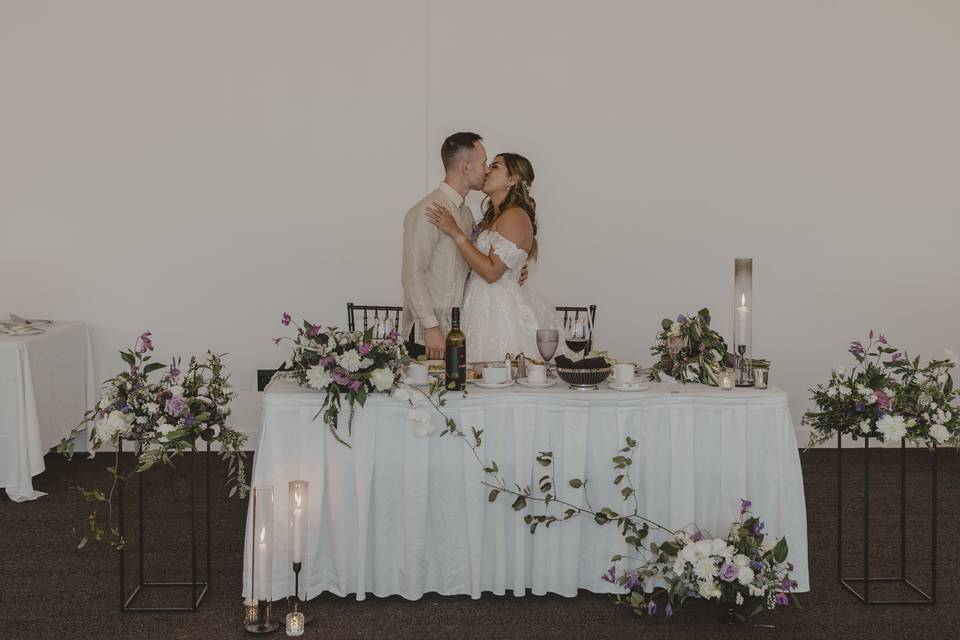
<point x="372" y="314"/>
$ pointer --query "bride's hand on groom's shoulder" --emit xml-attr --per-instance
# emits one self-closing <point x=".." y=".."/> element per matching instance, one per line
<point x="441" y="217"/>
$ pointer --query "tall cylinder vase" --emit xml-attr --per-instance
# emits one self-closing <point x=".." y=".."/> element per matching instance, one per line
<point x="743" y="321"/>
<point x="262" y="559"/>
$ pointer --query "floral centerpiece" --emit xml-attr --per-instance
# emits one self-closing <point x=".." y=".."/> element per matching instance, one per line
<point x="688" y="350"/>
<point x="888" y="397"/>
<point x="741" y="571"/>
<point x="343" y="364"/>
<point x="164" y="416"/>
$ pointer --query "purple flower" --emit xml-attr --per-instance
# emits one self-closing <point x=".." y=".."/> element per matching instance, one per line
<point x="697" y="536"/>
<point x="175" y="405"/>
<point x="393" y="335"/>
<point x="355" y="386"/>
<point x="363" y="349"/>
<point x="856" y="348"/>
<point x="883" y="400"/>
<point x="610" y="575"/>
<point x="729" y="571"/>
<point x="276" y="341"/>
<point x="669" y="610"/>
<point x="859" y="408"/>
<point x="327" y="361"/>
<point x="681" y="318"/>
<point x="745" y="506"/>
<point x="134" y="370"/>
<point x="782" y="599"/>
<point x="882" y="340"/>
<point x="788" y="584"/>
<point x="633" y="581"/>
<point x="756" y="566"/>
<point x="652" y="608"/>
<point x="188" y="421"/>
<point x="147" y="343"/>
<point x="174" y="372"/>
<point x="341" y="377"/>
<point x="757" y="528"/>
<point x="474" y="232"/>
<point x="123" y="407"/>
<point x="895" y="357"/>
<point x="313" y="331"/>
<point x="285" y="319"/>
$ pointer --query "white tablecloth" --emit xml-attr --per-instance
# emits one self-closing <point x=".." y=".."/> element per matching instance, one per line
<point x="399" y="514"/>
<point x="46" y="384"/>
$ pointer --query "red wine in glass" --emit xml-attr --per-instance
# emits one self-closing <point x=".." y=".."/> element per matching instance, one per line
<point x="576" y="344"/>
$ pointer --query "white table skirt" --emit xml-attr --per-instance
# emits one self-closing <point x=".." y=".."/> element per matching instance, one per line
<point x="46" y="385"/>
<point x="400" y="514"/>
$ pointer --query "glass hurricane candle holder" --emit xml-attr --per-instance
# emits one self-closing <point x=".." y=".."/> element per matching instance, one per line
<point x="261" y="565"/>
<point x="294" y="624"/>
<point x="726" y="379"/>
<point x="743" y="320"/>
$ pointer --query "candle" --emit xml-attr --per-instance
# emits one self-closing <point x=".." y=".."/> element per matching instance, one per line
<point x="742" y="313"/>
<point x="263" y="560"/>
<point x="298" y="532"/>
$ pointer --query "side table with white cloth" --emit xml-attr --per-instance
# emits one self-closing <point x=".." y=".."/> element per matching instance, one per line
<point x="46" y="385"/>
<point x="399" y="514"/>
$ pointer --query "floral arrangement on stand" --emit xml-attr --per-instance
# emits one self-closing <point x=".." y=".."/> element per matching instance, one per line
<point x="348" y="363"/>
<point x="887" y="396"/>
<point x="740" y="571"/>
<point x="688" y="350"/>
<point x="164" y="417"/>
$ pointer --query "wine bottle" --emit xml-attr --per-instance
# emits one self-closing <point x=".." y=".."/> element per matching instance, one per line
<point x="456" y="354"/>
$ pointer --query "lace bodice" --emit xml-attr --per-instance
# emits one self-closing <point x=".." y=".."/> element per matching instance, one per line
<point x="512" y="256"/>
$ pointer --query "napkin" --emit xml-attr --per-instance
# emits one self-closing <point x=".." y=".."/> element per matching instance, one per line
<point x="587" y="363"/>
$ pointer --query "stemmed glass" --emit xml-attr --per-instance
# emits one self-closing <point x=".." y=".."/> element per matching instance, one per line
<point x="578" y="333"/>
<point x="547" y="342"/>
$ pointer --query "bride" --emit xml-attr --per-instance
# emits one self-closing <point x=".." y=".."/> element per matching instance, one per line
<point x="498" y="317"/>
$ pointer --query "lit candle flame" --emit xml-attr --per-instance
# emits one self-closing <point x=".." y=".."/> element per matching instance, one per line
<point x="743" y="299"/>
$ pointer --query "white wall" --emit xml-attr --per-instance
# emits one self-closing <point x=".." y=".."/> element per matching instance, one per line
<point x="198" y="168"/>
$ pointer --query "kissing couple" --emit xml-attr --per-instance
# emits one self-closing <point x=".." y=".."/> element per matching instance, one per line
<point x="451" y="261"/>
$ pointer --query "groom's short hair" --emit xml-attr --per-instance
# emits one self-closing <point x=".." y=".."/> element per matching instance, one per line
<point x="456" y="143"/>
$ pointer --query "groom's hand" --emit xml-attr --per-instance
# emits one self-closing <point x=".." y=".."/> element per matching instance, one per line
<point x="434" y="343"/>
<point x="523" y="275"/>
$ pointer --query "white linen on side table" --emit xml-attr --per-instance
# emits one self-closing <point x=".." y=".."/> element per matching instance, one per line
<point x="399" y="514"/>
<point x="46" y="385"/>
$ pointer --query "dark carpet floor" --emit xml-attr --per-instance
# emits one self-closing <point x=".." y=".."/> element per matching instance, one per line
<point x="49" y="589"/>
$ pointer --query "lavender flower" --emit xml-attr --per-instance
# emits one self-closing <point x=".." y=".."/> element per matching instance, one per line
<point x="681" y="318"/>
<point x="652" y="608"/>
<point x="729" y="571"/>
<point x="633" y="581"/>
<point x="756" y="566"/>
<point x="174" y="372"/>
<point x="788" y="584"/>
<point x="745" y="506"/>
<point x="610" y="575"/>
<point x="327" y="361"/>
<point x="363" y="349"/>
<point x="188" y="421"/>
<point x="856" y="348"/>
<point x="285" y="319"/>
<point x="147" y="343"/>
<point x="782" y="599"/>
<point x="697" y="536"/>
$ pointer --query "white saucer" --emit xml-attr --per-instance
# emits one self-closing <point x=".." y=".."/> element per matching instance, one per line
<point x="430" y="381"/>
<point x="536" y="385"/>
<point x="634" y="386"/>
<point x="493" y="385"/>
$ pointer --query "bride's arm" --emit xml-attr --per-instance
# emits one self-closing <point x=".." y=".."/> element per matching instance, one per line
<point x="489" y="267"/>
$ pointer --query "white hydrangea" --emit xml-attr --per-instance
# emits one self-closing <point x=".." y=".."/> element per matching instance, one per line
<point x="939" y="433"/>
<point x="745" y="576"/>
<point x="111" y="425"/>
<point x="349" y="360"/>
<point x="162" y="430"/>
<point x="318" y="377"/>
<point x="892" y="427"/>
<point x="382" y="379"/>
<point x="152" y="408"/>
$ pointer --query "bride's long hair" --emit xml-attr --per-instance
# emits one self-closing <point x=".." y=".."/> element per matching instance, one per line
<point x="517" y="195"/>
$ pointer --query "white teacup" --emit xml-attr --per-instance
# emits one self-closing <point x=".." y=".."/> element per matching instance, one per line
<point x="624" y="373"/>
<point x="537" y="373"/>
<point x="418" y="373"/>
<point x="494" y="374"/>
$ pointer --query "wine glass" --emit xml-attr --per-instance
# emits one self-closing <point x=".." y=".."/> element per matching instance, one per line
<point x="577" y="332"/>
<point x="547" y="342"/>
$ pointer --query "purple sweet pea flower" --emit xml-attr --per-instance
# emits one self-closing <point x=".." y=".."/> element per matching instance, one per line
<point x="174" y="372"/>
<point x="697" y="536"/>
<point x="363" y="349"/>
<point x="175" y="405"/>
<point x="633" y="581"/>
<point x="610" y="575"/>
<point x="285" y="319"/>
<point x="882" y="340"/>
<point x="788" y="584"/>
<point x="745" y="506"/>
<point x="652" y="608"/>
<point x="327" y="361"/>
<point x="895" y="357"/>
<point x="782" y="599"/>
<point x="669" y="610"/>
<point x="756" y="566"/>
<point x="313" y="331"/>
<point x="729" y="571"/>
<point x="856" y="348"/>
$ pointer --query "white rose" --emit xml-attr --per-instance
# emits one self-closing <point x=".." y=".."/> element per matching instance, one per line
<point x="113" y="424"/>
<point x="709" y="589"/>
<point x="162" y="430"/>
<point x="892" y="427"/>
<point x="152" y="407"/>
<point x="745" y="575"/>
<point x="741" y="560"/>
<point x="718" y="547"/>
<point x="939" y="433"/>
<point x="349" y="360"/>
<point x="382" y="379"/>
<point x="318" y="377"/>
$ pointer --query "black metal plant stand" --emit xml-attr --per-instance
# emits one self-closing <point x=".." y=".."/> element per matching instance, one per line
<point x="867" y="579"/>
<point x="197" y="589"/>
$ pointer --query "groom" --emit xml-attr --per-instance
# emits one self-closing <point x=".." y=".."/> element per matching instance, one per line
<point x="434" y="273"/>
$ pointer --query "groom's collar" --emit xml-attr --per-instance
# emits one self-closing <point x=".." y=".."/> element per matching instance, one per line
<point x="451" y="193"/>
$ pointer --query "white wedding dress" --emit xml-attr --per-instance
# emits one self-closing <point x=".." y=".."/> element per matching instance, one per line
<point x="501" y="317"/>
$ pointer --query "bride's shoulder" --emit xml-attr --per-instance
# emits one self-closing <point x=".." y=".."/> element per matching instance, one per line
<point x="514" y="221"/>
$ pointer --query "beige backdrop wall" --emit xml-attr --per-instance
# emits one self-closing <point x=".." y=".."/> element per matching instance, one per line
<point x="196" y="169"/>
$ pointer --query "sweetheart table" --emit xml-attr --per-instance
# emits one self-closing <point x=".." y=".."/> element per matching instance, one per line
<point x="400" y="514"/>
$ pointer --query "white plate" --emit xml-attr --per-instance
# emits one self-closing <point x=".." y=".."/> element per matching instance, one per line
<point x="523" y="382"/>
<point x="429" y="381"/>
<point x="493" y="385"/>
<point x="631" y="387"/>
